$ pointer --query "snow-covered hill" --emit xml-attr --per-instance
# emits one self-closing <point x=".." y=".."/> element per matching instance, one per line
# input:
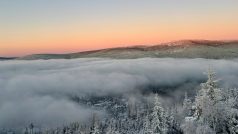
<point x="178" y="49"/>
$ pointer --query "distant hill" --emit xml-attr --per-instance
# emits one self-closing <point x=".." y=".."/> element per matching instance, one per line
<point x="7" y="58"/>
<point x="178" y="49"/>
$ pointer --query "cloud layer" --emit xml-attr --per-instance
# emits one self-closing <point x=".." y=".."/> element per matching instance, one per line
<point x="37" y="91"/>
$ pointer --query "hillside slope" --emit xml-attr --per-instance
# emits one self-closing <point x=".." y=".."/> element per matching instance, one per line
<point x="7" y="58"/>
<point x="178" y="49"/>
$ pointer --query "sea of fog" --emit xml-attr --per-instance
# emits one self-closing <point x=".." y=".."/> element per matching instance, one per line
<point x="38" y="91"/>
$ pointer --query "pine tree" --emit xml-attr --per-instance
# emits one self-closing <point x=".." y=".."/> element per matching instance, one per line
<point x="111" y="130"/>
<point x="204" y="129"/>
<point x="187" y="106"/>
<point x="210" y="109"/>
<point x="210" y="85"/>
<point x="208" y="96"/>
<point x="95" y="127"/>
<point x="31" y="127"/>
<point x="26" y="131"/>
<point x="158" y="118"/>
<point x="233" y="123"/>
<point x="147" y="125"/>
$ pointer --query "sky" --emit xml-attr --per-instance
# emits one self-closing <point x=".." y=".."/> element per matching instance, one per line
<point x="63" y="26"/>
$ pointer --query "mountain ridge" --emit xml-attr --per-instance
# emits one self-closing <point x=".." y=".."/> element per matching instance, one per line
<point x="211" y="49"/>
<point x="7" y="58"/>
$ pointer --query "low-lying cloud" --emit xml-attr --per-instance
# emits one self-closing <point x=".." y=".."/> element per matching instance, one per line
<point x="37" y="91"/>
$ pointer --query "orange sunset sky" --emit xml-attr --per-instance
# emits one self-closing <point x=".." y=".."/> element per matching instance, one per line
<point x="50" y="26"/>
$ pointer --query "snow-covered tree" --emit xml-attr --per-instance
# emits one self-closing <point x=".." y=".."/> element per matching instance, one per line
<point x="233" y="124"/>
<point x="95" y="127"/>
<point x="26" y="131"/>
<point x="173" y="125"/>
<point x="204" y="129"/>
<point x="31" y="127"/>
<point x="158" y="121"/>
<point x="213" y="107"/>
<point x="111" y="130"/>
<point x="187" y="106"/>
<point x="207" y="98"/>
<point x="210" y="86"/>
<point x="147" y="125"/>
<point x="189" y="126"/>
